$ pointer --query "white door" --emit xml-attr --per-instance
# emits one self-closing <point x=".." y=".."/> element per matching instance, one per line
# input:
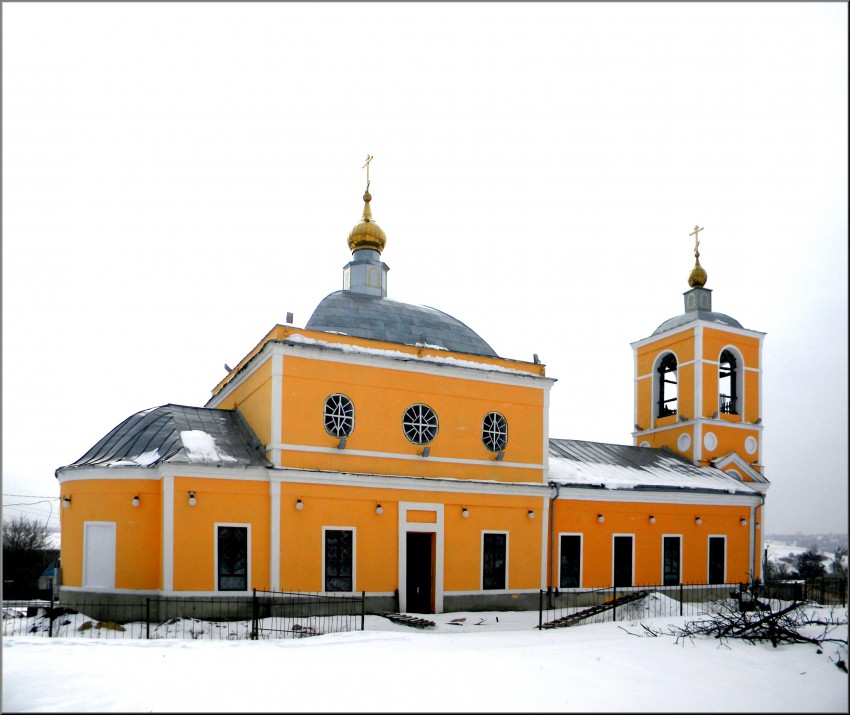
<point x="99" y="554"/>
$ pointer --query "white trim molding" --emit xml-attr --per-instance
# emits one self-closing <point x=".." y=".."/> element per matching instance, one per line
<point x="438" y="528"/>
<point x="167" y="533"/>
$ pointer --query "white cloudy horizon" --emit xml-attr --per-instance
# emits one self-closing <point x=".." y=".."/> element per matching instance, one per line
<point x="178" y="177"/>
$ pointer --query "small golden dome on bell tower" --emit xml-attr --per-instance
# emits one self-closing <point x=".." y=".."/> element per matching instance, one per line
<point x="698" y="275"/>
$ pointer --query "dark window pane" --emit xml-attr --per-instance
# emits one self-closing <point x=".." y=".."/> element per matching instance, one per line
<point x="495" y="560"/>
<point x="622" y="560"/>
<point x="672" y="560"/>
<point x="570" y="561"/>
<point x="716" y="559"/>
<point x="339" y="560"/>
<point x="233" y="558"/>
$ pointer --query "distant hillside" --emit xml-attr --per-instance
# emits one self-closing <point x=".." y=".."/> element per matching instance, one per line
<point x="824" y="542"/>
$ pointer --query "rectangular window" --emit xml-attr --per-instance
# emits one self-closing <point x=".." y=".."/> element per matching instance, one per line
<point x="672" y="560"/>
<point x="717" y="559"/>
<point x="570" y="561"/>
<point x="232" y="558"/>
<point x="495" y="561"/>
<point x="339" y="560"/>
<point x="623" y="560"/>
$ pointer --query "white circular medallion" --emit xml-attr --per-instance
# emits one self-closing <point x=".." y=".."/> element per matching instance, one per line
<point x="684" y="442"/>
<point x="751" y="445"/>
<point x="710" y="441"/>
<point x="644" y="444"/>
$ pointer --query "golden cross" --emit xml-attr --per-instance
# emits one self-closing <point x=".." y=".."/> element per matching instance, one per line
<point x="366" y="166"/>
<point x="695" y="234"/>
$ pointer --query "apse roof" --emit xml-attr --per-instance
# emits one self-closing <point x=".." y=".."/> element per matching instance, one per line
<point x="707" y="315"/>
<point x="177" y="434"/>
<point x="618" y="466"/>
<point x="376" y="318"/>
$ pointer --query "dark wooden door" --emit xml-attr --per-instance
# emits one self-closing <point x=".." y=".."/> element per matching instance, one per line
<point x="419" y="573"/>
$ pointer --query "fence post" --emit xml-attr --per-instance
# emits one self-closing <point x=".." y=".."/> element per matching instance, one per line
<point x="254" y="624"/>
<point x="614" y="599"/>
<point x="842" y="590"/>
<point x="147" y="618"/>
<point x="362" y="610"/>
<point x="681" y="599"/>
<point x="540" y="612"/>
<point x="52" y="617"/>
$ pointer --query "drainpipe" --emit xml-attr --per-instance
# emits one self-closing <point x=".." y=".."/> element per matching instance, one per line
<point x="552" y="500"/>
<point x="755" y="516"/>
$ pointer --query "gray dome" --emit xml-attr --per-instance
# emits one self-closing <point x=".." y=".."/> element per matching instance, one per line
<point x="708" y="315"/>
<point x="376" y="318"/>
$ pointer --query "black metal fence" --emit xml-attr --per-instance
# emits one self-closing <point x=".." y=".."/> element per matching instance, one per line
<point x="580" y="606"/>
<point x="262" y="616"/>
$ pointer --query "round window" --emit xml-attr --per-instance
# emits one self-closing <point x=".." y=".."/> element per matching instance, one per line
<point x="494" y="432"/>
<point x="339" y="416"/>
<point x="419" y="424"/>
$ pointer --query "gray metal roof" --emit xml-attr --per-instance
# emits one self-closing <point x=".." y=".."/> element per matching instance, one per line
<point x="377" y="318"/>
<point x="177" y="434"/>
<point x="618" y="466"/>
<point x="708" y="315"/>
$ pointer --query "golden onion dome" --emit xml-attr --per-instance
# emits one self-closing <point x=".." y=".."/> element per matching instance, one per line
<point x="698" y="276"/>
<point x="367" y="234"/>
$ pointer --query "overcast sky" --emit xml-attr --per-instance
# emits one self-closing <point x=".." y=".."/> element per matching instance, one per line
<point x="178" y="177"/>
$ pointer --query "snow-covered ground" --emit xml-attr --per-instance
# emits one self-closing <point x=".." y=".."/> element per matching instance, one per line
<point x="490" y="662"/>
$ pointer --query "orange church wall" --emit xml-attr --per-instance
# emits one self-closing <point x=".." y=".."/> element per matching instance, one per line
<point x="625" y="518"/>
<point x="376" y="536"/>
<point x="253" y="399"/>
<point x="730" y="439"/>
<point x="219" y="501"/>
<point x="137" y="529"/>
<point x="681" y="344"/>
<point x="714" y="340"/>
<point x="669" y="438"/>
<point x="381" y="396"/>
<point x="752" y="409"/>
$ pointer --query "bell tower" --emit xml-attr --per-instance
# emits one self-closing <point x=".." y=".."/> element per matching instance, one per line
<point x="698" y="385"/>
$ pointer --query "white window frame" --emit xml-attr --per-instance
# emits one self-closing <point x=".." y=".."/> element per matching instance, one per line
<point x="436" y="424"/>
<point x="351" y="418"/>
<point x="248" y="579"/>
<point x="502" y="436"/>
<point x="656" y="382"/>
<point x="353" y="530"/>
<point x="739" y="380"/>
<point x="580" y="558"/>
<point x="507" y="561"/>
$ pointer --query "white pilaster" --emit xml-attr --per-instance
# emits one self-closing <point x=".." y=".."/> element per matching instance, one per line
<point x="276" y="427"/>
<point x="167" y="533"/>
<point x="274" y="546"/>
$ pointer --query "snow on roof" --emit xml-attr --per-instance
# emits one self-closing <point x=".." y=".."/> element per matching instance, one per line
<point x="399" y="355"/>
<point x="618" y="466"/>
<point x="201" y="447"/>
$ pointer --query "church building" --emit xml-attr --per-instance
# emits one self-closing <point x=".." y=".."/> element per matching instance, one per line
<point x="385" y="448"/>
